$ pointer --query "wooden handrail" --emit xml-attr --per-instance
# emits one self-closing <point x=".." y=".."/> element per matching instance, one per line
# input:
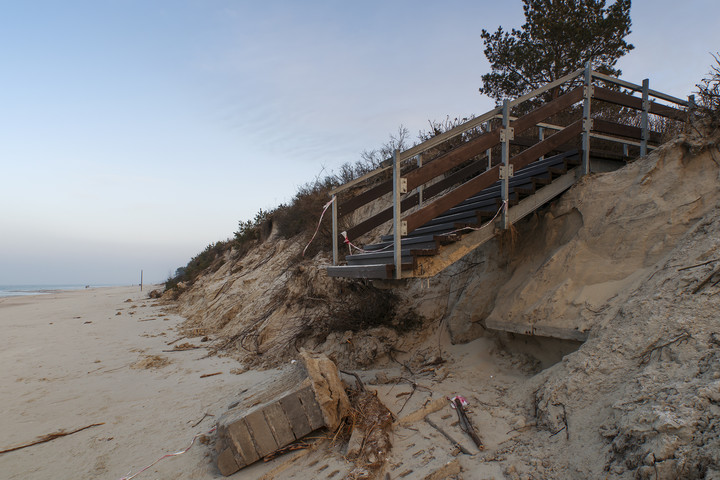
<point x="625" y="100"/>
<point x="617" y="129"/>
<point x="476" y="147"/>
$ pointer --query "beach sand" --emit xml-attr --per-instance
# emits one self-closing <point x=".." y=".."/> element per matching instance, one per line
<point x="76" y="358"/>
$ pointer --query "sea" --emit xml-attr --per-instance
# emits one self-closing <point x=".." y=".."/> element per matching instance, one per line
<point x="24" y="290"/>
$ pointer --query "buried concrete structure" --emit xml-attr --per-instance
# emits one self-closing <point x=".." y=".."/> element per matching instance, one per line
<point x="304" y="397"/>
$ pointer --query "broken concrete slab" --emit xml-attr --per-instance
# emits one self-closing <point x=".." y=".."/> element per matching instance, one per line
<point x="304" y="397"/>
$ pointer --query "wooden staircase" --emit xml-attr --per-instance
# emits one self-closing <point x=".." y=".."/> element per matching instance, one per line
<point x="446" y="201"/>
<point x="421" y="250"/>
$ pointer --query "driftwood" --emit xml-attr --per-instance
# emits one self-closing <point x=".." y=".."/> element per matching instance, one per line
<point x="48" y="437"/>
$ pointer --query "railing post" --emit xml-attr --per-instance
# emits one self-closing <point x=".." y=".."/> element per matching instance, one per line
<point x="421" y="188"/>
<point x="644" y="123"/>
<point x="399" y="227"/>
<point x="506" y="134"/>
<point x="541" y="137"/>
<point x="691" y="106"/>
<point x="488" y="152"/>
<point x="587" y="120"/>
<point x="335" y="229"/>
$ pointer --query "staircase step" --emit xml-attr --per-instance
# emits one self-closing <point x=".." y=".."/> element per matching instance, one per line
<point x="377" y="271"/>
<point x="424" y="241"/>
<point x="377" y="257"/>
<point x="358" y="271"/>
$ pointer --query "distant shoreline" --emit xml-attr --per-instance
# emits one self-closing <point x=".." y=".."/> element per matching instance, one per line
<point x="44" y="289"/>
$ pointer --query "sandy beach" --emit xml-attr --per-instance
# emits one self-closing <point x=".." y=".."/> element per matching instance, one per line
<point x="76" y="358"/>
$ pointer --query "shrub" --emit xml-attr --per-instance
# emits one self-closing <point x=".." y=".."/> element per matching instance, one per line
<point x="209" y="259"/>
<point x="708" y="100"/>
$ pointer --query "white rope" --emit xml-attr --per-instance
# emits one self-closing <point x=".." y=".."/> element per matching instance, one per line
<point x="327" y="205"/>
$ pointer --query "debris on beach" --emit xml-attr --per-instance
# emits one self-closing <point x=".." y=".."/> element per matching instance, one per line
<point x="48" y="437"/>
<point x="150" y="361"/>
<point x="308" y="395"/>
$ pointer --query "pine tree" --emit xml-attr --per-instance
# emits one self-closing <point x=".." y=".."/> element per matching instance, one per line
<point x="558" y="37"/>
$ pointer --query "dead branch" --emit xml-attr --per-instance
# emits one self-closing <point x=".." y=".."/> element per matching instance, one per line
<point x="454" y="442"/>
<point x="698" y="265"/>
<point x="706" y="280"/>
<point x="203" y="418"/>
<point x="646" y="354"/>
<point x="48" y="437"/>
<point x="360" y="384"/>
<point x="465" y="424"/>
<point x="210" y="374"/>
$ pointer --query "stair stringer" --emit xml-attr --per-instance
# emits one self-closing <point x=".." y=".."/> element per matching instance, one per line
<point x="425" y="267"/>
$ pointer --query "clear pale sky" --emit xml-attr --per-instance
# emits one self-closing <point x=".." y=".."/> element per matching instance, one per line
<point x="133" y="133"/>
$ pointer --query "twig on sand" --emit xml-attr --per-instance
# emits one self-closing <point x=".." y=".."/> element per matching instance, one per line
<point x="203" y="418"/>
<point x="48" y="437"/>
<point x="646" y="355"/>
<point x="360" y="384"/>
<point x="210" y="374"/>
<point x="454" y="442"/>
<point x="698" y="265"/>
<point x="705" y="282"/>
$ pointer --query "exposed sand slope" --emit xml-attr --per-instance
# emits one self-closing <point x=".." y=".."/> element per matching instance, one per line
<point x="640" y="399"/>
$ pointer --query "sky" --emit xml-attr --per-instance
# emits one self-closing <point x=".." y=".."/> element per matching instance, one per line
<point x="134" y="133"/>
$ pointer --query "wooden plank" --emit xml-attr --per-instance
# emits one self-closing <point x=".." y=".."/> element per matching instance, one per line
<point x="358" y="271"/>
<point x="312" y="409"/>
<point x="262" y="435"/>
<point x="279" y="424"/>
<point x="379" y="218"/>
<point x="547" y="110"/>
<point x="241" y="438"/>
<point x="617" y="98"/>
<point x="622" y="99"/>
<point x="227" y="464"/>
<point x="458" y="195"/>
<point x="450" y="134"/>
<point x="547" y="145"/>
<point x="628" y="131"/>
<point x="295" y="414"/>
<point x="452" y="159"/>
<point x="352" y="204"/>
<point x="462" y="174"/>
<point x="668" y="112"/>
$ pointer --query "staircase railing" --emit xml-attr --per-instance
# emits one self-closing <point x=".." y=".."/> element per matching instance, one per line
<point x="440" y="183"/>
